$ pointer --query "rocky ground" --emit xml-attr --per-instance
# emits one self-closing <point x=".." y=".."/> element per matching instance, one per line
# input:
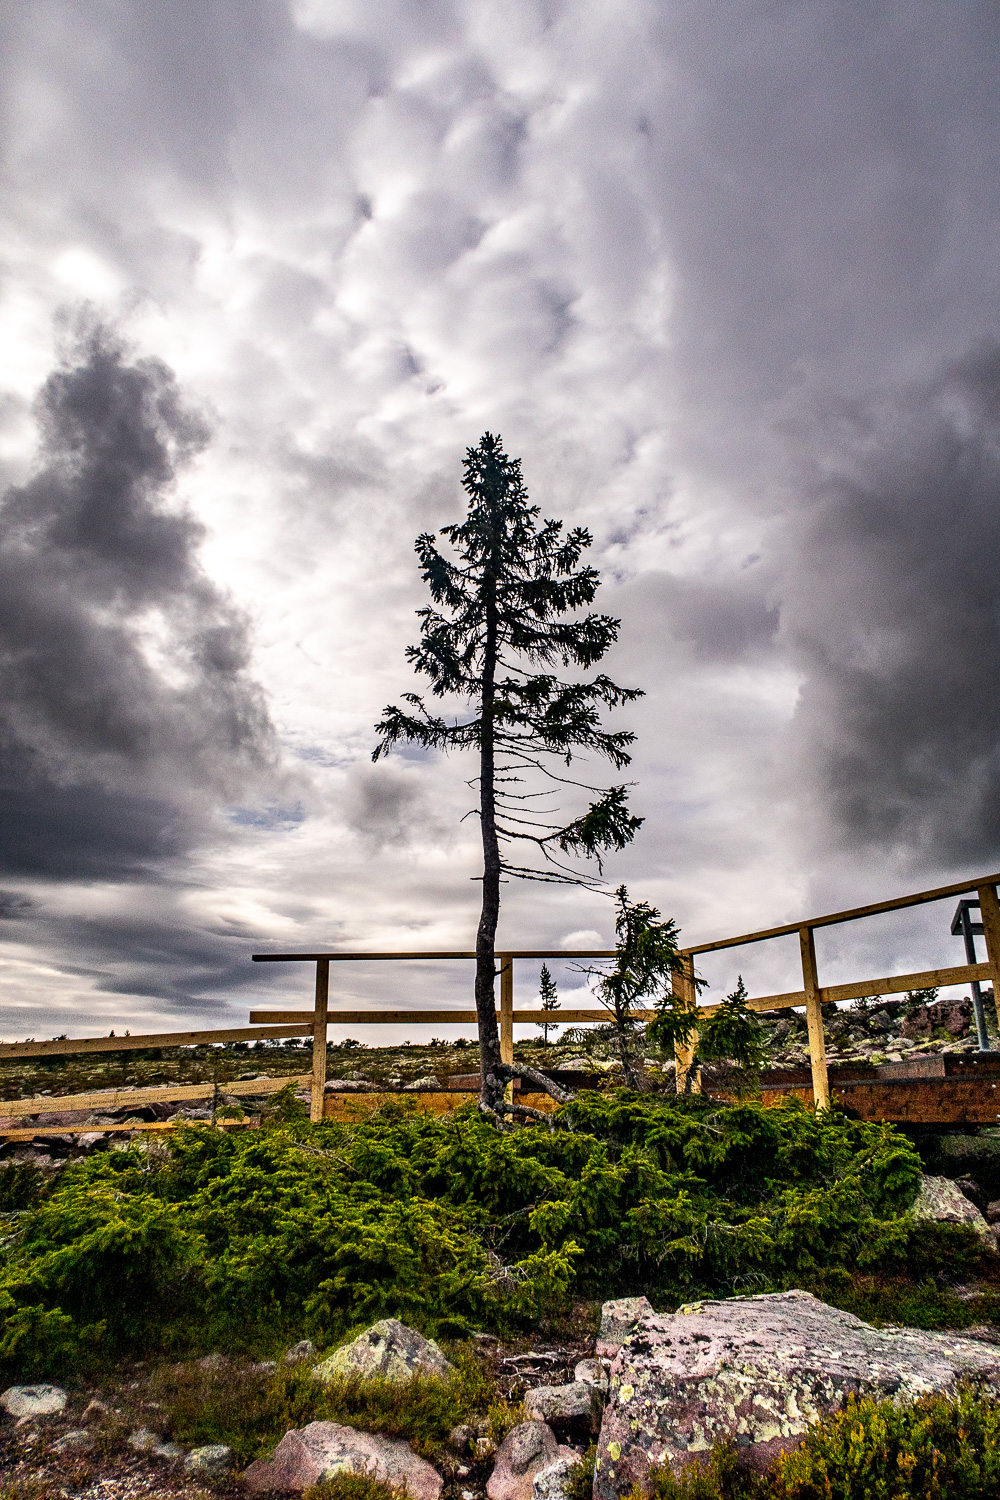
<point x="643" y="1387"/>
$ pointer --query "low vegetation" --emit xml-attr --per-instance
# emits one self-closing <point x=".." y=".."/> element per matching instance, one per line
<point x="248" y="1241"/>
<point x="935" y="1449"/>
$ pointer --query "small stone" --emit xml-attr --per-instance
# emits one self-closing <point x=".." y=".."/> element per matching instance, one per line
<point x="305" y="1349"/>
<point x="430" y="1082"/>
<point x="617" y="1318"/>
<point x="214" y="1361"/>
<point x="262" y="1367"/>
<point x="527" y="1448"/>
<point x="460" y="1439"/>
<point x="33" y="1400"/>
<point x="78" y="1440"/>
<point x="571" y="1409"/>
<point x="552" y="1482"/>
<point x="168" y="1451"/>
<point x="592" y="1371"/>
<point x="210" y="1462"/>
<point x="93" y="1410"/>
<point x="144" y="1440"/>
<point x="993" y="1212"/>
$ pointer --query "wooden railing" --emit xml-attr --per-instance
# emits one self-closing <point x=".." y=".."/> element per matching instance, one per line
<point x="277" y="1025"/>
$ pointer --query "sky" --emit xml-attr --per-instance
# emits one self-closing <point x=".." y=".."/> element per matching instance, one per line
<point x="725" y="276"/>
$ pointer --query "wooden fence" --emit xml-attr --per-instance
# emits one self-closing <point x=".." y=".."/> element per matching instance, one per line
<point x="271" y="1024"/>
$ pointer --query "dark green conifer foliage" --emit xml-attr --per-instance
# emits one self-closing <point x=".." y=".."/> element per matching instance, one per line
<point x="503" y="614"/>
<point x="548" y="994"/>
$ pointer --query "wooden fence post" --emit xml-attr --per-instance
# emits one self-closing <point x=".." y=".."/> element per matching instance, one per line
<point x="507" y="1017"/>
<point x="989" y="909"/>
<point x="319" y="1039"/>
<point x="814" y="1019"/>
<point x="506" y="1007"/>
<point x="682" y="984"/>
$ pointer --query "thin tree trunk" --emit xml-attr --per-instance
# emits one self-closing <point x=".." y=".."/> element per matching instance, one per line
<point x="489" y="1034"/>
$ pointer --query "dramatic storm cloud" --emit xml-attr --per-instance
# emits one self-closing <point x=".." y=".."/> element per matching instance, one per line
<point x="725" y="276"/>
<point x="891" y="603"/>
<point x="124" y="693"/>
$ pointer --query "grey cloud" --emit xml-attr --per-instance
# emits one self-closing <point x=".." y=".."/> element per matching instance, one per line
<point x="891" y="607"/>
<point x="388" y="806"/>
<point x="126" y="703"/>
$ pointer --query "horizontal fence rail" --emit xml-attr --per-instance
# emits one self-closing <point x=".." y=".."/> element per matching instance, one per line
<point x="267" y="1025"/>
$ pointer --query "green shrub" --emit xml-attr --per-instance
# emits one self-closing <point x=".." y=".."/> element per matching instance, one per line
<point x="248" y="1241"/>
<point x="21" y="1186"/>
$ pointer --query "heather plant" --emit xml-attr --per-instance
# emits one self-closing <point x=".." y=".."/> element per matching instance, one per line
<point x="937" y="1448"/>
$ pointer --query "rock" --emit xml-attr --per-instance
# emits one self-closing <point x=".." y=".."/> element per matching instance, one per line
<point x="461" y="1439"/>
<point x="210" y="1462"/>
<point x="144" y="1440"/>
<point x="524" y="1452"/>
<point x="93" y="1410"/>
<point x="430" y="1082"/>
<point x="570" y="1409"/>
<point x="33" y="1400"/>
<point x="940" y="1201"/>
<point x="78" y="1440"/>
<point x="305" y="1349"/>
<point x="309" y="1455"/>
<point x="390" y="1350"/>
<point x="616" y="1319"/>
<point x="169" y="1451"/>
<point x="969" y="1188"/>
<point x="758" y="1371"/>
<point x="551" y="1483"/>
<point x="213" y="1361"/>
<point x="993" y="1212"/>
<point x="593" y="1372"/>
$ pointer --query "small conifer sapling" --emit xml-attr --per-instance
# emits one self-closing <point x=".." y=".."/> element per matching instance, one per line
<point x="548" y="996"/>
<point x="506" y="601"/>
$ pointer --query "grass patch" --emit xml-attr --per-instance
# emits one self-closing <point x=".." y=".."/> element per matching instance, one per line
<point x="352" y="1487"/>
<point x="250" y="1412"/>
<point x="914" y="1304"/>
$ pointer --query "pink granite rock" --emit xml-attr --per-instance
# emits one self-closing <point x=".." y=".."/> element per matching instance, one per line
<point x="308" y="1455"/>
<point x="758" y="1371"/>
<point x="524" y="1452"/>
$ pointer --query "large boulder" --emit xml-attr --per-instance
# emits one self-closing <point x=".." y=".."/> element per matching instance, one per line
<point x="309" y="1455"/>
<point x="389" y="1350"/>
<point x="617" y="1318"/>
<point x="572" y="1410"/>
<point x="758" y="1371"/>
<point x="524" y="1453"/>
<point x="941" y="1201"/>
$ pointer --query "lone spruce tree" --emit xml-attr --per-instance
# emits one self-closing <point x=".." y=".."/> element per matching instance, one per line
<point x="548" y="995"/>
<point x="505" y="610"/>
